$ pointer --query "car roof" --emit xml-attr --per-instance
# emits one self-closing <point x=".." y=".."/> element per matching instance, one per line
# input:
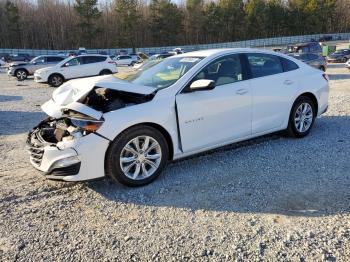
<point x="219" y="51"/>
<point x="82" y="55"/>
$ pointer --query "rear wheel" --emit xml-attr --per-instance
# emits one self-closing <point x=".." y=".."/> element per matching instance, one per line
<point x="137" y="156"/>
<point x="302" y="117"/>
<point x="21" y="74"/>
<point x="55" y="80"/>
<point x="105" y="72"/>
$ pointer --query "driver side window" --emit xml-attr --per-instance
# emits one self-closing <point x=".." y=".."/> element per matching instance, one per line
<point x="73" y="62"/>
<point x="222" y="71"/>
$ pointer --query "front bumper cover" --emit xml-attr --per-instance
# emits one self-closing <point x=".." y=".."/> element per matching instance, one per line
<point x="89" y="149"/>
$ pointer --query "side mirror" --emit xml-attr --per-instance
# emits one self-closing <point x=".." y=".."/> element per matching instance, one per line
<point x="202" y="84"/>
<point x="66" y="65"/>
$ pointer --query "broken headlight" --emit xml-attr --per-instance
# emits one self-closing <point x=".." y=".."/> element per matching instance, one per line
<point x="83" y="122"/>
<point x="87" y="125"/>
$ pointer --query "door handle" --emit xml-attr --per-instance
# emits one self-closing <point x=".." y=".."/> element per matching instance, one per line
<point x="288" y="82"/>
<point x="241" y="91"/>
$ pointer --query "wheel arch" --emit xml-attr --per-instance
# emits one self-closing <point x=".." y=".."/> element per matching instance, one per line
<point x="56" y="74"/>
<point x="312" y="97"/>
<point x="105" y="70"/>
<point x="161" y="129"/>
<point x="21" y="68"/>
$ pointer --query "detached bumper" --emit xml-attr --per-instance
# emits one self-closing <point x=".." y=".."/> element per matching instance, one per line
<point x="75" y="160"/>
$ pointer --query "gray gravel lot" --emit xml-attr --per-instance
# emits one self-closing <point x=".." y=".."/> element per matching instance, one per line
<point x="273" y="198"/>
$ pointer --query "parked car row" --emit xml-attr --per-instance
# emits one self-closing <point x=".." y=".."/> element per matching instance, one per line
<point x="55" y="69"/>
<point x="22" y="70"/>
<point x="75" y="67"/>
<point x="339" y="56"/>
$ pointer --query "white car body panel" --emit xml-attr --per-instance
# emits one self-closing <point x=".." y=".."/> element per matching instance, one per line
<point x="271" y="100"/>
<point x="195" y="121"/>
<point x="215" y="115"/>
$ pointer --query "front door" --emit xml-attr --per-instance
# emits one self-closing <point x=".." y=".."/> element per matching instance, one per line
<point x="212" y="117"/>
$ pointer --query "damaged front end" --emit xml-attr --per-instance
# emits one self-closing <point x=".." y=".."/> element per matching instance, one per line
<point x="67" y="145"/>
<point x="51" y="144"/>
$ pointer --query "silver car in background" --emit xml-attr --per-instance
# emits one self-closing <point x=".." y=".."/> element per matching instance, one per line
<point x="314" y="60"/>
<point x="22" y="70"/>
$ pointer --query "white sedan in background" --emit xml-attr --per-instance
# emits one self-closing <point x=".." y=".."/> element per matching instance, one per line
<point x="75" y="67"/>
<point x="129" y="129"/>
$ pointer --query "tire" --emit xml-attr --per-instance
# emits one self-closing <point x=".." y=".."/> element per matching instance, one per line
<point x="105" y="72"/>
<point x="323" y="68"/>
<point x="301" y="128"/>
<point x="132" y="63"/>
<point x="21" y="74"/>
<point x="55" y="80"/>
<point x="344" y="60"/>
<point x="118" y="157"/>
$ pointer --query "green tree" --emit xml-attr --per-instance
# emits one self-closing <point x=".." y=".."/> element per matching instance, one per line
<point x="127" y="19"/>
<point x="12" y="22"/>
<point x="276" y="18"/>
<point x="256" y="18"/>
<point x="232" y="19"/>
<point x="165" y="22"/>
<point x="88" y="14"/>
<point x="213" y="25"/>
<point x="195" y="21"/>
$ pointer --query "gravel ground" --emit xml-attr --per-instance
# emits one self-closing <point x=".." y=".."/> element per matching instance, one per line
<point x="273" y="198"/>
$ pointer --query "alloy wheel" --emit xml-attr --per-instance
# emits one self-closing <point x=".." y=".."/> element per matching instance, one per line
<point x="140" y="158"/>
<point x="303" y="117"/>
<point x="21" y="75"/>
<point x="56" y="81"/>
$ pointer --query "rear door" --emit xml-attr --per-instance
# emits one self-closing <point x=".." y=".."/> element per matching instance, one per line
<point x="274" y="82"/>
<point x="92" y="65"/>
<point x="211" y="117"/>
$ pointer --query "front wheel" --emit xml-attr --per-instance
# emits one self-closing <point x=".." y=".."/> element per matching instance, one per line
<point x="302" y="117"/>
<point x="137" y="156"/>
<point x="55" y="80"/>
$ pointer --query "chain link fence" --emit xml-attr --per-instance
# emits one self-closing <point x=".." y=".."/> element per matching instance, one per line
<point x="264" y="42"/>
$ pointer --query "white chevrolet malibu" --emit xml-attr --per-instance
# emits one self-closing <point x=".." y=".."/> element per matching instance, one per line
<point x="130" y="128"/>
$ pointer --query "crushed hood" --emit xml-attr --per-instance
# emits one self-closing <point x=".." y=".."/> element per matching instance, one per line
<point x="68" y="95"/>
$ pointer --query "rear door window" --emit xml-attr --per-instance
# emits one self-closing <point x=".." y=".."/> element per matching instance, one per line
<point x="93" y="59"/>
<point x="288" y="65"/>
<point x="264" y="64"/>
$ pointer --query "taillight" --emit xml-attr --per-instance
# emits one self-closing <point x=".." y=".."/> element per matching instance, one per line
<point x="325" y="76"/>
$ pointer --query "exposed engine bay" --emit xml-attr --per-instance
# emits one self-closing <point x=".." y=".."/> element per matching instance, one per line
<point x="75" y="124"/>
<point x="52" y="131"/>
<point x="105" y="100"/>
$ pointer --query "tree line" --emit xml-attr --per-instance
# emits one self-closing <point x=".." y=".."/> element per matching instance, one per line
<point x="68" y="24"/>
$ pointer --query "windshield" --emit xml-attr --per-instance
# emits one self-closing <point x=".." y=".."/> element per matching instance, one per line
<point x="163" y="74"/>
